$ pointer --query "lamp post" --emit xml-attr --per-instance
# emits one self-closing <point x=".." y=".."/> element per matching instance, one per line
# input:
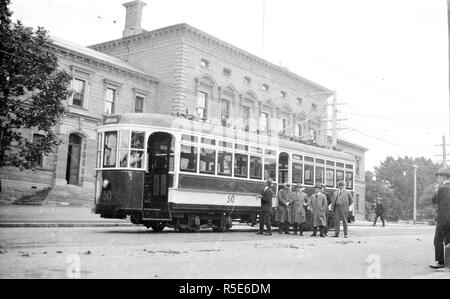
<point x="415" y="194"/>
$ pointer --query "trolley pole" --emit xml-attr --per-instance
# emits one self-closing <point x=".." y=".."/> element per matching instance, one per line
<point x="415" y="195"/>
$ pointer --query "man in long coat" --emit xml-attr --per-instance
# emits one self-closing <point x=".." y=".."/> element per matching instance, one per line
<point x="342" y="200"/>
<point x="283" y="215"/>
<point x="266" y="208"/>
<point x="319" y="207"/>
<point x="299" y="201"/>
<point x="441" y="198"/>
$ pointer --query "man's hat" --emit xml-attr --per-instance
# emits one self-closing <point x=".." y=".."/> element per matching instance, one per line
<point x="443" y="171"/>
<point x="318" y="186"/>
<point x="300" y="186"/>
<point x="269" y="181"/>
<point x="341" y="183"/>
<point x="287" y="185"/>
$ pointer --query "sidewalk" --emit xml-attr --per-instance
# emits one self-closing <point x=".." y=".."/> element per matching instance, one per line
<point x="53" y="216"/>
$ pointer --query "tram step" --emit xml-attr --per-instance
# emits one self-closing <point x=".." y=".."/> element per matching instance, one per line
<point x="156" y="219"/>
<point x="155" y="214"/>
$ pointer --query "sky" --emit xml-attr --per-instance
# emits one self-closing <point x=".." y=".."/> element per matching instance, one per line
<point x="388" y="60"/>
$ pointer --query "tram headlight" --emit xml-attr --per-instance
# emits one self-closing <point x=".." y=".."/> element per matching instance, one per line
<point x="105" y="184"/>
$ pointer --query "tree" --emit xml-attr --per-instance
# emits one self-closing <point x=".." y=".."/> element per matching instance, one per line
<point x="31" y="92"/>
<point x="379" y="188"/>
<point x="399" y="175"/>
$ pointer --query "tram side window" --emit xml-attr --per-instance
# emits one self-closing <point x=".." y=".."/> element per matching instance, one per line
<point x="124" y="143"/>
<point x="207" y="161"/>
<point x="137" y="149"/>
<point x="309" y="175"/>
<point x="256" y="168"/>
<point x="349" y="180"/>
<point x="339" y="176"/>
<point x="224" y="163"/>
<point x="297" y="173"/>
<point x="110" y="150"/>
<point x="320" y="175"/>
<point x="329" y="178"/>
<point x="240" y="165"/>
<point x="188" y="158"/>
<point x="270" y="169"/>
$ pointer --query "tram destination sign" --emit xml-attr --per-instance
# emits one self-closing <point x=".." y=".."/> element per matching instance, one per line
<point x="112" y="119"/>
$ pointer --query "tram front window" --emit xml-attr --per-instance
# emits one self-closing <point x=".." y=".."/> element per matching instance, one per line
<point x="110" y="149"/>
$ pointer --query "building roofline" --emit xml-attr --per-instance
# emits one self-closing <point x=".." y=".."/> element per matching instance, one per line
<point x="228" y="47"/>
<point x="349" y="143"/>
<point x="99" y="57"/>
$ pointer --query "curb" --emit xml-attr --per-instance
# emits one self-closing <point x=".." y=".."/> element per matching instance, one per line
<point x="57" y="225"/>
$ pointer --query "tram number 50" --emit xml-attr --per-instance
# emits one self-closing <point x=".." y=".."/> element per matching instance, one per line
<point x="230" y="199"/>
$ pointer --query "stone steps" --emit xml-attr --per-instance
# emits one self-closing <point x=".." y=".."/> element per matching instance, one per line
<point x="71" y="195"/>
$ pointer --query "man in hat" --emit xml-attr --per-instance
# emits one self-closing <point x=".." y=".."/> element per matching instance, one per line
<point x="266" y="208"/>
<point x="442" y="199"/>
<point x="329" y="211"/>
<point x="319" y="210"/>
<point x="379" y="212"/>
<point x="283" y="215"/>
<point x="299" y="201"/>
<point x="342" y="200"/>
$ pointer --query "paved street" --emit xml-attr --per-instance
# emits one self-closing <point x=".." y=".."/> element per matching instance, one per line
<point x="135" y="252"/>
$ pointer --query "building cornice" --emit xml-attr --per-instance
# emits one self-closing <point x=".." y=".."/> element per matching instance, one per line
<point x="233" y="50"/>
<point x="100" y="63"/>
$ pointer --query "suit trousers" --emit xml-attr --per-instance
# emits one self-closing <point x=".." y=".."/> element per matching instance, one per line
<point x="340" y="215"/>
<point x="441" y="239"/>
<point x="376" y="219"/>
<point x="265" y="220"/>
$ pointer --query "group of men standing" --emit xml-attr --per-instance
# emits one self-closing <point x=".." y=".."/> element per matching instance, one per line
<point x="292" y="205"/>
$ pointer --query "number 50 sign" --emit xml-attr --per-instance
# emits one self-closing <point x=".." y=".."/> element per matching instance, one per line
<point x="230" y="199"/>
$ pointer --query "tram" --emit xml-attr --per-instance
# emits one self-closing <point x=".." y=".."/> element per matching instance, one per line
<point x="162" y="170"/>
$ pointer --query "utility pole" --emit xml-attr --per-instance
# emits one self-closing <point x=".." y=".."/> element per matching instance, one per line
<point x="444" y="151"/>
<point x="415" y="194"/>
<point x="334" y="119"/>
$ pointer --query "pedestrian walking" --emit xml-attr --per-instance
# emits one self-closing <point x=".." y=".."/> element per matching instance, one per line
<point x="342" y="200"/>
<point x="379" y="212"/>
<point x="299" y="203"/>
<point x="318" y="204"/>
<point x="266" y="208"/>
<point x="441" y="198"/>
<point x="283" y="214"/>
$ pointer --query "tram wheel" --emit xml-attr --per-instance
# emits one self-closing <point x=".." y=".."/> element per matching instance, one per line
<point x="158" y="226"/>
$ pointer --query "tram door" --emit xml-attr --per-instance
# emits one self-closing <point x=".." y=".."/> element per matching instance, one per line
<point x="283" y="170"/>
<point x="158" y="179"/>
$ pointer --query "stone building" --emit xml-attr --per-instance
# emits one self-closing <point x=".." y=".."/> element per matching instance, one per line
<point x="102" y="85"/>
<point x="173" y="70"/>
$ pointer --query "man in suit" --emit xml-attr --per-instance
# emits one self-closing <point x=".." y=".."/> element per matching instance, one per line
<point x="298" y="209"/>
<point x="318" y="203"/>
<point x="283" y="210"/>
<point x="379" y="212"/>
<point x="266" y="208"/>
<point x="342" y="200"/>
<point x="441" y="198"/>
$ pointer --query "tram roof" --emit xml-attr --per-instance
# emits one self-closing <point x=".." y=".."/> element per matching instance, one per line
<point x="176" y="123"/>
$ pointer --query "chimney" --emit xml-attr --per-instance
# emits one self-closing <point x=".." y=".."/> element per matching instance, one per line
<point x="133" y="18"/>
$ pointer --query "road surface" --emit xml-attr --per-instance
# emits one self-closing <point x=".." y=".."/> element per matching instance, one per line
<point x="135" y="252"/>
